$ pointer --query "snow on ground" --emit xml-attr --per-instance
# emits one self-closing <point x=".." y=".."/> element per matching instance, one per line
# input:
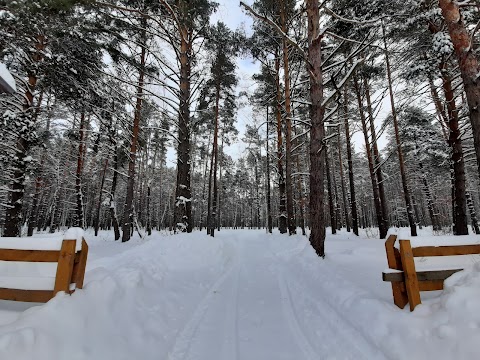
<point x="244" y="295"/>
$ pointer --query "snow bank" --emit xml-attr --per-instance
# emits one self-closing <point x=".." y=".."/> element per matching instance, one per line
<point x="445" y="326"/>
<point x="34" y="275"/>
<point x="132" y="304"/>
<point x="179" y="297"/>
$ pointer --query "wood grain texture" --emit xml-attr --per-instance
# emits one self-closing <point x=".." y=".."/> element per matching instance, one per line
<point x="411" y="282"/>
<point x="40" y="296"/>
<point x="429" y="275"/>
<point x="446" y="250"/>
<point x="400" y="297"/>
<point x="79" y="266"/>
<point x="29" y="255"/>
<point x="65" y="266"/>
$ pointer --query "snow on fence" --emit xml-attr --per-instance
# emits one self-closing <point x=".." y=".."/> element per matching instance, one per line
<point x="35" y="269"/>
<point x="407" y="281"/>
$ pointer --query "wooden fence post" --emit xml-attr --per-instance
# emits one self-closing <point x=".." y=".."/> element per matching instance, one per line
<point x="65" y="267"/>
<point x="393" y="257"/>
<point x="80" y="265"/>
<point x="411" y="281"/>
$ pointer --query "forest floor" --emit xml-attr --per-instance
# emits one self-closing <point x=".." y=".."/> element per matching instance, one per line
<point x="244" y="295"/>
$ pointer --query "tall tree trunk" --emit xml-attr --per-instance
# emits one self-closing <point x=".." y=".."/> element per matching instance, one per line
<point x="269" y="197"/>
<point x="403" y="174"/>
<point x="202" y="213"/>
<point x="353" y="201"/>
<point x="288" y="125"/>
<point x="317" y="130"/>
<point x="376" y="154"/>
<point x="13" y="213"/>
<point x="79" y="220"/>
<point x="99" y="203"/>
<point x="468" y="64"/>
<point x="301" y="202"/>
<point x="473" y="213"/>
<point x="342" y="180"/>
<point x="331" y="206"/>
<point x="376" y="197"/>
<point x="213" y="218"/>
<point x="128" y="208"/>
<point x="282" y="220"/>
<point x="113" y="205"/>
<point x="459" y="199"/>
<point x="183" y="193"/>
<point x="210" y="189"/>
<point x="219" y="213"/>
<point x="33" y="219"/>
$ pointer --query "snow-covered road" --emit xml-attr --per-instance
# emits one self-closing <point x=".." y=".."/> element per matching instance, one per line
<point x="243" y="295"/>
<point x="257" y="309"/>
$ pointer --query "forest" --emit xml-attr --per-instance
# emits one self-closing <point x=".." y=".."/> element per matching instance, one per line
<point x="364" y="114"/>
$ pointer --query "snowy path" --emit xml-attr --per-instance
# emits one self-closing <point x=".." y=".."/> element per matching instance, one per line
<point x="243" y="295"/>
<point x="251" y="313"/>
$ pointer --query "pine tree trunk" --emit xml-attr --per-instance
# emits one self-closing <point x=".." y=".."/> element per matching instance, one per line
<point x="376" y="155"/>
<point x="282" y="220"/>
<point x="202" y="213"/>
<point x="79" y="220"/>
<point x="213" y="218"/>
<point x="269" y="197"/>
<point x="317" y="130"/>
<point x="113" y="205"/>
<point x="342" y="180"/>
<point x="376" y="197"/>
<point x="459" y="199"/>
<point x="99" y="203"/>
<point x="288" y="126"/>
<point x="219" y="213"/>
<point x="403" y="174"/>
<point x="468" y="64"/>
<point x="13" y="213"/>
<point x="209" y="200"/>
<point x="473" y="213"/>
<point x="301" y="202"/>
<point x="331" y="206"/>
<point x="353" y="201"/>
<point x="128" y="208"/>
<point x="183" y="193"/>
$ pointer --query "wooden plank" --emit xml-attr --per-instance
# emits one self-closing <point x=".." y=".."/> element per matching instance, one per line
<point x="80" y="264"/>
<point x="29" y="255"/>
<point x="432" y="285"/>
<point x="394" y="262"/>
<point x="446" y="250"/>
<point x="40" y="296"/>
<point x="65" y="267"/>
<point x="411" y="282"/>
<point x="429" y="275"/>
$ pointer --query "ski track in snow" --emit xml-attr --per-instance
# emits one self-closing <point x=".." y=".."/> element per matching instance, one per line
<point x="190" y="332"/>
<point x="244" y="295"/>
<point x="256" y="311"/>
<point x="338" y="336"/>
